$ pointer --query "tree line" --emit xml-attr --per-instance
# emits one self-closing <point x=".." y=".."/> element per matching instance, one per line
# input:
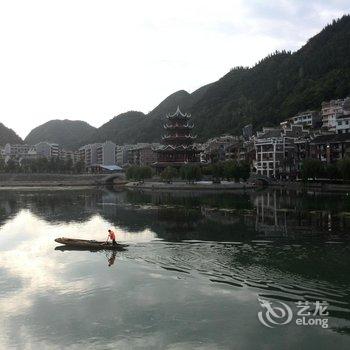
<point x="42" y="165"/>
<point x="228" y="170"/>
<point x="312" y="169"/>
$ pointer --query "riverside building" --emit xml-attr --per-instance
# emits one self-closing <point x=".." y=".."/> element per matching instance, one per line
<point x="98" y="154"/>
<point x="275" y="151"/>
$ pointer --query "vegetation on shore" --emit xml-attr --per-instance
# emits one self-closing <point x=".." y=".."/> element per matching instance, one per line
<point x="42" y="165"/>
<point x="228" y="170"/>
<point x="139" y="173"/>
<point x="312" y="169"/>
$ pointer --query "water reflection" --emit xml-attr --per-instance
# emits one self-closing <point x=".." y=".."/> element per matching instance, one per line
<point x="111" y="258"/>
<point x="190" y="278"/>
<point x="187" y="216"/>
<point x="296" y="215"/>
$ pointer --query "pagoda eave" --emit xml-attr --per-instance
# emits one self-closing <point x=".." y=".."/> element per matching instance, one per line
<point x="182" y="127"/>
<point x="174" y="164"/>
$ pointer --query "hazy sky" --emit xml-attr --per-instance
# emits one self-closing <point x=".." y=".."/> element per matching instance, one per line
<point x="91" y="60"/>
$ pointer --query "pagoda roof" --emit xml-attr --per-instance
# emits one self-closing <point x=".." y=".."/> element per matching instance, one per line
<point x="178" y="113"/>
<point x="179" y="126"/>
<point x="174" y="137"/>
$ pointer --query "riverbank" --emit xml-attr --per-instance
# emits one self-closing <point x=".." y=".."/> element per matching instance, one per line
<point x="181" y="185"/>
<point x="233" y="186"/>
<point x="37" y="181"/>
<point x="50" y="180"/>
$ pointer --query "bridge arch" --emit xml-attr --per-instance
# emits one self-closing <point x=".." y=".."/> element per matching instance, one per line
<point x="262" y="178"/>
<point x="109" y="179"/>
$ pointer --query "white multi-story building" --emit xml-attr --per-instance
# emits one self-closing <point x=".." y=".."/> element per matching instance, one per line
<point x="343" y="121"/>
<point x="74" y="156"/>
<point x="47" y="150"/>
<point x="122" y="153"/>
<point x="330" y="112"/>
<point x="98" y="154"/>
<point x="269" y="149"/>
<point x="106" y="153"/>
<point x="343" y="125"/>
<point x="140" y="154"/>
<point x="16" y="149"/>
<point x="215" y="148"/>
<point x="88" y="154"/>
<point x="311" y="119"/>
<point x="18" y="152"/>
<point x="143" y="154"/>
<point x="41" y="149"/>
<point x="274" y="151"/>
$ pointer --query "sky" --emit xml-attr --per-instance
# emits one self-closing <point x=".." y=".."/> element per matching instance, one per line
<point x="93" y="59"/>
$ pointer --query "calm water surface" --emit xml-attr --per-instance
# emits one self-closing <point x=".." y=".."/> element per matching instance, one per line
<point x="191" y="278"/>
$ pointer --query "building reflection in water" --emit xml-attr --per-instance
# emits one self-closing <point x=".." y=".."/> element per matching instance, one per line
<point x="268" y="219"/>
<point x="294" y="215"/>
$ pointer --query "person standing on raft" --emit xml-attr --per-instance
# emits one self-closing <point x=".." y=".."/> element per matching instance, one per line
<point x="111" y="236"/>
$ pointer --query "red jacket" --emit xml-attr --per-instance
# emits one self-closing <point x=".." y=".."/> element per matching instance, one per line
<point x="111" y="235"/>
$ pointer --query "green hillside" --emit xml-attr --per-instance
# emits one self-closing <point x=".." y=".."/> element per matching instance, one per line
<point x="68" y="133"/>
<point x="8" y="136"/>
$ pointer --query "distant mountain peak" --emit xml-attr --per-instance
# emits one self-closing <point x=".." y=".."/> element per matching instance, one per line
<point x="7" y="135"/>
<point x="67" y="133"/>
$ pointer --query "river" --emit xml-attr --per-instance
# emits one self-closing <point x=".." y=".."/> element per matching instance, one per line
<point x="202" y="270"/>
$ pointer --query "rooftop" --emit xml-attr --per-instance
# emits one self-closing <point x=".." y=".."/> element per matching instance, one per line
<point x="178" y="113"/>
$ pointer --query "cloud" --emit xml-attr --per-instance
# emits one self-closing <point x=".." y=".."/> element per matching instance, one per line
<point x="91" y="60"/>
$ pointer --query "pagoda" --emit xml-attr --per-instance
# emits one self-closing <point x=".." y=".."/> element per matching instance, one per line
<point x="177" y="143"/>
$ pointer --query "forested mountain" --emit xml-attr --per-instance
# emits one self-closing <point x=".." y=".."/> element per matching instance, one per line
<point x="133" y="127"/>
<point x="277" y="87"/>
<point x="8" y="136"/>
<point x="280" y="85"/>
<point x="125" y="128"/>
<point x="67" y="133"/>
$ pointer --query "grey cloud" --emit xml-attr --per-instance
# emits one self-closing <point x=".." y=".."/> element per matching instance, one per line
<point x="289" y="22"/>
